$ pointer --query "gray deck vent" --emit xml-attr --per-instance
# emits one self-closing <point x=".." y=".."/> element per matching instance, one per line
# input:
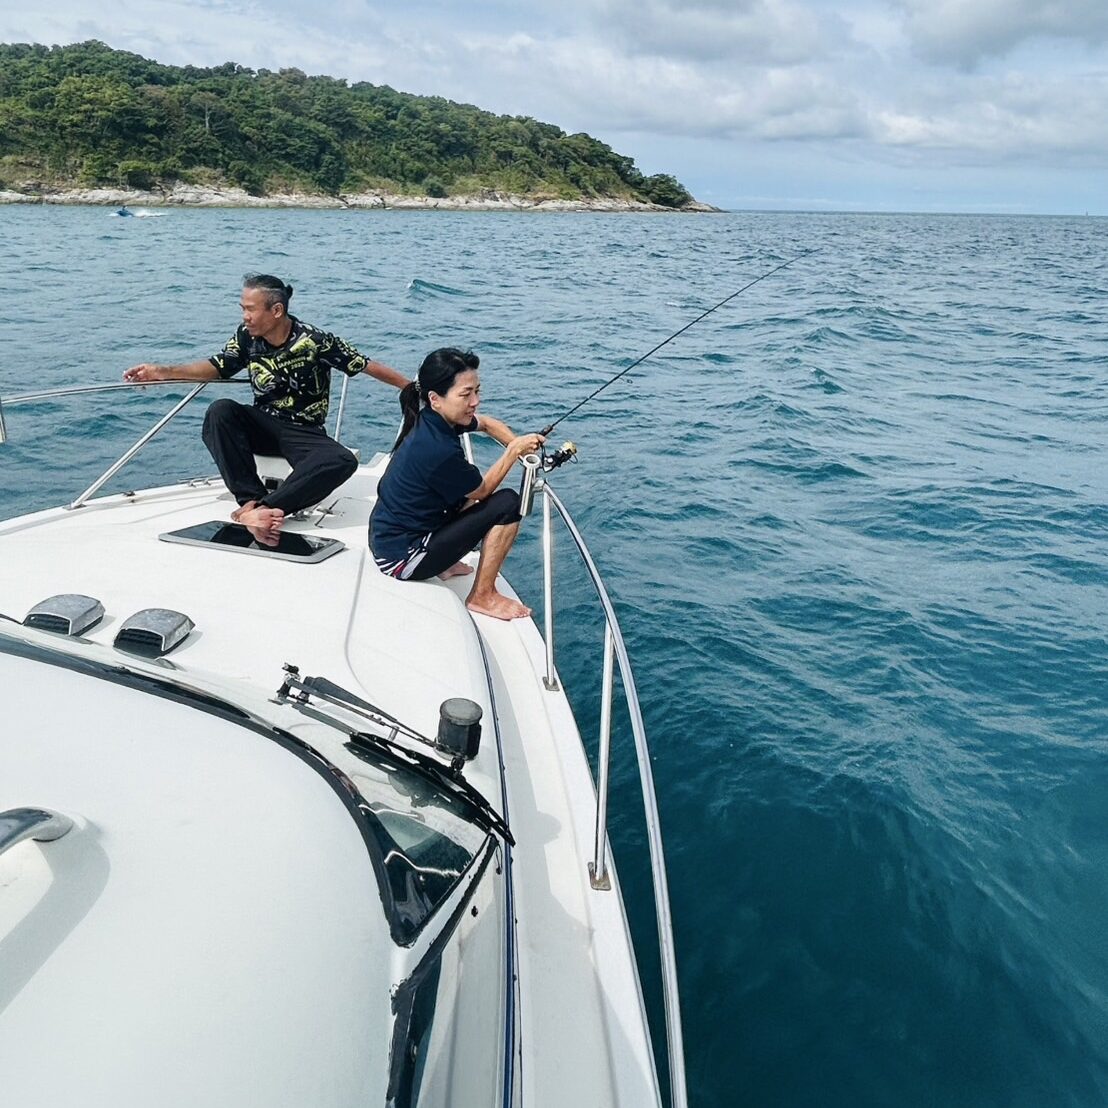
<point x="68" y="613"/>
<point x="153" y="632"/>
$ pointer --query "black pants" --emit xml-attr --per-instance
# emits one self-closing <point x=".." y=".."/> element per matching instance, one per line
<point x="234" y="433"/>
<point x="457" y="538"/>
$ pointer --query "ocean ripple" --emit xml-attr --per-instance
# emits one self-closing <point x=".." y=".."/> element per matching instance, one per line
<point x="855" y="524"/>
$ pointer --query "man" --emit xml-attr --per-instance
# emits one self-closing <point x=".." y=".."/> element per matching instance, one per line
<point x="290" y="365"/>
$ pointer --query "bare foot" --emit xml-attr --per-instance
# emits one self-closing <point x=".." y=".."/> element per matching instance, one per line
<point x="497" y="605"/>
<point x="236" y="515"/>
<point x="263" y="523"/>
<point x="458" y="569"/>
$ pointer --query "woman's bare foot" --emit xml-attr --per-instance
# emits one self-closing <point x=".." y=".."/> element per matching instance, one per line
<point x="236" y="515"/>
<point x="497" y="605"/>
<point x="263" y="523"/>
<point x="458" y="569"/>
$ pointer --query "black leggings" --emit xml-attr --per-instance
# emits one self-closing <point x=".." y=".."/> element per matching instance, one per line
<point x="453" y="540"/>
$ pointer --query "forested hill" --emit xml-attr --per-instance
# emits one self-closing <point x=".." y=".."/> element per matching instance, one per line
<point x="89" y="115"/>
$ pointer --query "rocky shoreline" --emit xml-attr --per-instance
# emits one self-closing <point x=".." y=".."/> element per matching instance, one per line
<point x="202" y="196"/>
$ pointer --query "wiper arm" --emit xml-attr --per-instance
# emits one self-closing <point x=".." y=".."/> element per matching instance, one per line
<point x="327" y="690"/>
<point x="385" y="748"/>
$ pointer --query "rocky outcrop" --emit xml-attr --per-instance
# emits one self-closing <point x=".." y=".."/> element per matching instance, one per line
<point x="203" y="196"/>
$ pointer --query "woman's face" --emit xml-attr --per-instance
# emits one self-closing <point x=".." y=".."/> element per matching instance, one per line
<point x="459" y="404"/>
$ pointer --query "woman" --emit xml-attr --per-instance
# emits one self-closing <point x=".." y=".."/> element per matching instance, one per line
<point x="433" y="506"/>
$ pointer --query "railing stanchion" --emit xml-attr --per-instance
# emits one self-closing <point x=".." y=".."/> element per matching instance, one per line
<point x="550" y="681"/>
<point x="598" y="867"/>
<point x="79" y="502"/>
<point x="342" y="408"/>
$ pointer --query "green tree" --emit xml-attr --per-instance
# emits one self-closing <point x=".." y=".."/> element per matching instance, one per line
<point x="432" y="186"/>
<point x="666" y="190"/>
<point x="92" y="113"/>
<point x="137" y="175"/>
<point x="206" y="104"/>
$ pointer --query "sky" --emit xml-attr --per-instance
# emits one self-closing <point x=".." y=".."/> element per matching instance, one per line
<point x="856" y="105"/>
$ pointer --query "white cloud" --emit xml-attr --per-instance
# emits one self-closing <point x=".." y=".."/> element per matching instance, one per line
<point x="1006" y="119"/>
<point x="777" y="32"/>
<point x="962" y="33"/>
<point x="877" y="82"/>
<point x="592" y="81"/>
<point x="998" y="118"/>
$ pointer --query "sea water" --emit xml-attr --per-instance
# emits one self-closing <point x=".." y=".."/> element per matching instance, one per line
<point x="855" y="525"/>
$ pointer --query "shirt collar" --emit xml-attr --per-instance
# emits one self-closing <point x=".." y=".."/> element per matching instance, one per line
<point x="294" y="331"/>
<point x="439" y="424"/>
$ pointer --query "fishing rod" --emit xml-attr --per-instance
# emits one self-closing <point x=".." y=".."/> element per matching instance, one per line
<point x="703" y="315"/>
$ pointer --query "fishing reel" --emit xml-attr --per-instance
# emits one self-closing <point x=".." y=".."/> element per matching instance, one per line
<point x="566" y="453"/>
<point x="542" y="462"/>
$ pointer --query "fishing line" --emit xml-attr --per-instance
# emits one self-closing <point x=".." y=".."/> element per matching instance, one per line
<point x="703" y="315"/>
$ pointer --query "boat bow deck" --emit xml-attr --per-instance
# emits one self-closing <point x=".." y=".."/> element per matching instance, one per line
<point x="405" y="647"/>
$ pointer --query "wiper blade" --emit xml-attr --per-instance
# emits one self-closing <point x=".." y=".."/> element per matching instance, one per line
<point x="484" y="814"/>
<point x="387" y="749"/>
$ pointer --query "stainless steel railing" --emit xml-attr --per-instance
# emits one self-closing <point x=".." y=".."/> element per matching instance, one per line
<point x="41" y="824"/>
<point x="615" y="649"/>
<point x="342" y="408"/>
<point x="79" y="390"/>
<point x="116" y="466"/>
<point x="76" y="390"/>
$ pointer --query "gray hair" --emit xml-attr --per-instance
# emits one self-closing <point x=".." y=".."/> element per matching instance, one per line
<point x="275" y="290"/>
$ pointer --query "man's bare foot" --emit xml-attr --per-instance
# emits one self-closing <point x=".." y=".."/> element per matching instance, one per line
<point x="497" y="605"/>
<point x="236" y="515"/>
<point x="263" y="523"/>
<point x="458" y="569"/>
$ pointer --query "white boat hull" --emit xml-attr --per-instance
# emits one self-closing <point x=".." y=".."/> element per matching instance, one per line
<point x="212" y="930"/>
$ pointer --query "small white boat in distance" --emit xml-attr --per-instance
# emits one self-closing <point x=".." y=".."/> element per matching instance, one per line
<point x="278" y="830"/>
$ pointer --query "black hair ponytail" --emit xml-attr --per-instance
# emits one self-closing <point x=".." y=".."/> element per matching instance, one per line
<point x="409" y="406"/>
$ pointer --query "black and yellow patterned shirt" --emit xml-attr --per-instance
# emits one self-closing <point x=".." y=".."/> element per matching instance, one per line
<point x="291" y="381"/>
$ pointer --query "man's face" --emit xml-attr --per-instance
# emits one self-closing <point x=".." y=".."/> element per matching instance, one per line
<point x="258" y="319"/>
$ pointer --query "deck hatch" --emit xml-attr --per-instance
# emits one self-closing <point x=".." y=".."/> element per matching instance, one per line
<point x="153" y="632"/>
<point x="68" y="613"/>
<point x="293" y="546"/>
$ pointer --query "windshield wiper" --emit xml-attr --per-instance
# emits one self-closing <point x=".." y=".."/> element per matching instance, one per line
<point x="385" y="748"/>
<point x="361" y="744"/>
<point x="327" y="690"/>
